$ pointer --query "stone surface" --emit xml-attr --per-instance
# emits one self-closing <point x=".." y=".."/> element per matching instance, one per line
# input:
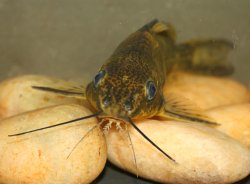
<point x="206" y="91"/>
<point x="234" y="121"/>
<point x="18" y="96"/>
<point x="203" y="154"/>
<point x="41" y="157"/>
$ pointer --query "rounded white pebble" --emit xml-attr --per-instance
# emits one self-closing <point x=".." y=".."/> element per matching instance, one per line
<point x="206" y="91"/>
<point x="234" y="121"/>
<point x="41" y="157"/>
<point x="202" y="154"/>
<point x="18" y="96"/>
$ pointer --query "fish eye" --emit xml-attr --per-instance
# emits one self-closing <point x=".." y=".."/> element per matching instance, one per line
<point x="99" y="76"/>
<point x="151" y="90"/>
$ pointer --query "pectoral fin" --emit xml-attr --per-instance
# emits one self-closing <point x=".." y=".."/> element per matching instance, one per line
<point x="180" y="109"/>
<point x="66" y="89"/>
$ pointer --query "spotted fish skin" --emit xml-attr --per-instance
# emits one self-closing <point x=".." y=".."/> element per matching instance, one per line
<point x="150" y="54"/>
<point x="132" y="64"/>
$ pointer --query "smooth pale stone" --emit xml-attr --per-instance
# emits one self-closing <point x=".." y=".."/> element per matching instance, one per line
<point x="234" y="121"/>
<point x="206" y="91"/>
<point x="203" y="154"/>
<point x="41" y="157"/>
<point x="18" y="96"/>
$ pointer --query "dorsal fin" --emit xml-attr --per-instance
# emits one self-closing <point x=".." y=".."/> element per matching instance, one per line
<point x="160" y="28"/>
<point x="164" y="28"/>
<point x="149" y="25"/>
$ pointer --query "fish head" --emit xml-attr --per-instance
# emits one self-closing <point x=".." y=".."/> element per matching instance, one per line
<point x="123" y="91"/>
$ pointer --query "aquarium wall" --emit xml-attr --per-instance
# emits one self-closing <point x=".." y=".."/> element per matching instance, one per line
<point x="71" y="39"/>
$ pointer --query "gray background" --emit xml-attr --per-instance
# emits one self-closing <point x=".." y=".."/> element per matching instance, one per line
<point x="71" y="39"/>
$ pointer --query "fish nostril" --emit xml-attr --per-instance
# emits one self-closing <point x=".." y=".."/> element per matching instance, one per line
<point x="127" y="106"/>
<point x="106" y="101"/>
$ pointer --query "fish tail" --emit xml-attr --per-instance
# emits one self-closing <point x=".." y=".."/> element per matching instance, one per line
<point x="205" y="57"/>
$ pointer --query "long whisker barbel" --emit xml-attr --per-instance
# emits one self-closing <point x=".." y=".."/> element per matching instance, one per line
<point x="90" y="116"/>
<point x="133" y="150"/>
<point x="83" y="137"/>
<point x="59" y="124"/>
<point x="149" y="140"/>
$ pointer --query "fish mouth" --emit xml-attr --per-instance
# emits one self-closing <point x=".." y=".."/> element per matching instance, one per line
<point x="129" y="121"/>
<point x="112" y="118"/>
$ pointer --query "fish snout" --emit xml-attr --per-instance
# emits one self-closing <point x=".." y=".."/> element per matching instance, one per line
<point x="122" y="108"/>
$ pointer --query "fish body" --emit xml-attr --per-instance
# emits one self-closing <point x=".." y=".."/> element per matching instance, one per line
<point x="130" y="83"/>
<point x="136" y="61"/>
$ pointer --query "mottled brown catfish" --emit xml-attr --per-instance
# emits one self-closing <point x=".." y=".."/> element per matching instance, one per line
<point x="129" y="85"/>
